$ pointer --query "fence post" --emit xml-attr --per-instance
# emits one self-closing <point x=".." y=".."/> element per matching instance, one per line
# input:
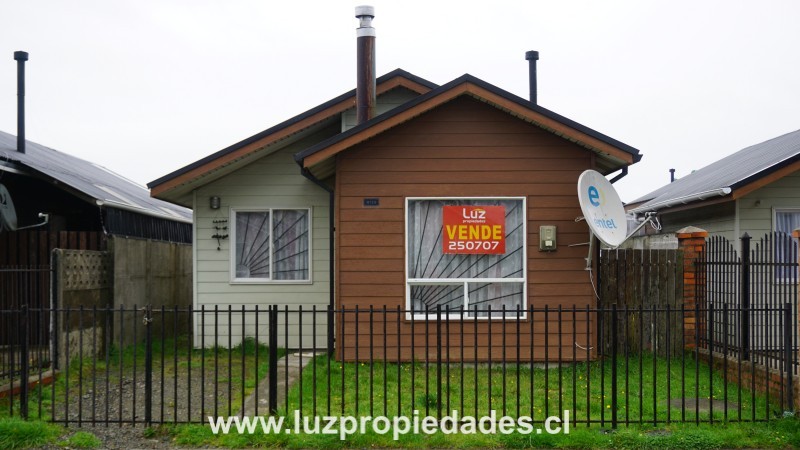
<point x="796" y="325"/>
<point x="614" y="339"/>
<point x="272" y="394"/>
<point x="438" y="360"/>
<point x="787" y="361"/>
<point x="744" y="300"/>
<point x="24" y="368"/>
<point x="692" y="242"/>
<point x="331" y="331"/>
<point x="54" y="304"/>
<point x="148" y="365"/>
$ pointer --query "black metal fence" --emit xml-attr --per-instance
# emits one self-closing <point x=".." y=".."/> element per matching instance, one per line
<point x="24" y="285"/>
<point x="746" y="291"/>
<point x="596" y="363"/>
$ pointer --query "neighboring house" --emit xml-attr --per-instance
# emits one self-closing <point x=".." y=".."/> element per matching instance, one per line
<point x="52" y="200"/>
<point x="388" y="186"/>
<point x="755" y="190"/>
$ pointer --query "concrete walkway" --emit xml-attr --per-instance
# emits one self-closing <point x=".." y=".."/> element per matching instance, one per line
<point x="296" y="362"/>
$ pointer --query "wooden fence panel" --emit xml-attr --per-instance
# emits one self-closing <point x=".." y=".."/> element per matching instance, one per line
<point x="647" y="282"/>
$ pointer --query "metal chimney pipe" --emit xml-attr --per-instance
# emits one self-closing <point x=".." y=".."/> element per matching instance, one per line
<point x="671" y="175"/>
<point x="21" y="57"/>
<point x="365" y="83"/>
<point x="532" y="56"/>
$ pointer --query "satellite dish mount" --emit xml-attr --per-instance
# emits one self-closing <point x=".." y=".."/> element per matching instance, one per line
<point x="8" y="214"/>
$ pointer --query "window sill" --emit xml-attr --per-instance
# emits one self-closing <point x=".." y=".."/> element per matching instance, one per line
<point x="270" y="282"/>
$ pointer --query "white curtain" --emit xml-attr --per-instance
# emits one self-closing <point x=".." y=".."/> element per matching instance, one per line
<point x="252" y="244"/>
<point x="290" y="231"/>
<point x="427" y="260"/>
<point x="282" y="254"/>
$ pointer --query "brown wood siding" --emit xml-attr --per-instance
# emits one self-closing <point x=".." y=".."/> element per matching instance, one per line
<point x="464" y="148"/>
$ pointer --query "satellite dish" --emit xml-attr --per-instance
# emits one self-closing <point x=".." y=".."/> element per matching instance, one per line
<point x="602" y="208"/>
<point x="8" y="215"/>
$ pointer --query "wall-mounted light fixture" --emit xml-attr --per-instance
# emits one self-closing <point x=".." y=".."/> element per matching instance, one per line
<point x="214" y="202"/>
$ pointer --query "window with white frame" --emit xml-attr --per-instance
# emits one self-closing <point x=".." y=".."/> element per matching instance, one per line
<point x="271" y="245"/>
<point x="466" y="256"/>
<point x="786" y="221"/>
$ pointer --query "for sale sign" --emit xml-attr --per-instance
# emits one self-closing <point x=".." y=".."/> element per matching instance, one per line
<point x="474" y="230"/>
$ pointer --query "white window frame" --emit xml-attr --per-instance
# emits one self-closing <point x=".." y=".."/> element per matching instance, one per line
<point x="775" y="211"/>
<point x="232" y="255"/>
<point x="466" y="281"/>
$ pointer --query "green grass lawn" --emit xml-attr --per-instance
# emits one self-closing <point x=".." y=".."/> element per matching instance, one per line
<point x="644" y="386"/>
<point x="554" y="389"/>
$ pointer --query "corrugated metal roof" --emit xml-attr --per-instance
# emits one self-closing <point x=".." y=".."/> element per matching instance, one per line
<point x="91" y="179"/>
<point x="733" y="171"/>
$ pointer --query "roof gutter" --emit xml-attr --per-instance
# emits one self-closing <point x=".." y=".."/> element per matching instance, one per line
<point x="720" y="192"/>
<point x="145" y="212"/>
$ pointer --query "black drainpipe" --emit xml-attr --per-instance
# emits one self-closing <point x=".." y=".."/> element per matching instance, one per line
<point x="620" y="176"/>
<point x="307" y="173"/>
<point x="21" y="57"/>
<point x="532" y="56"/>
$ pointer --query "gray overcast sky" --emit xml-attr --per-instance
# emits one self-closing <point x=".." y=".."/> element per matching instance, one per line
<point x="148" y="86"/>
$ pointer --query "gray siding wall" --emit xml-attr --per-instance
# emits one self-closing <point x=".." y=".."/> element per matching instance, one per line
<point x="718" y="220"/>
<point x="756" y="209"/>
<point x="274" y="181"/>
<point x="271" y="182"/>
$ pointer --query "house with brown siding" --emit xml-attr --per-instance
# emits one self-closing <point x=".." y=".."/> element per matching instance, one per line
<point x="463" y="146"/>
<point x="412" y="201"/>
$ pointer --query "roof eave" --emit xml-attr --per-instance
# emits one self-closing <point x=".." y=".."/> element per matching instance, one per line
<point x="619" y="153"/>
<point x="162" y="187"/>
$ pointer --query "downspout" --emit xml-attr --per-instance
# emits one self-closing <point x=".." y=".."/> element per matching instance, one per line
<point x="594" y="251"/>
<point x="307" y="173"/>
<point x="620" y="176"/>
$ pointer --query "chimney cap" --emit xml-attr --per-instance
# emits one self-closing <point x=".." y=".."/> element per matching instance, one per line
<point x="20" y="56"/>
<point x="365" y="10"/>
<point x="532" y="55"/>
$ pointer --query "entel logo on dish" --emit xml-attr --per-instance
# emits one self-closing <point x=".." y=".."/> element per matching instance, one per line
<point x="595" y="198"/>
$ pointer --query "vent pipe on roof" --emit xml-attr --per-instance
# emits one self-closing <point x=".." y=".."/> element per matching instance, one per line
<point x="365" y="84"/>
<point x="21" y="57"/>
<point x="671" y="175"/>
<point x="532" y="56"/>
